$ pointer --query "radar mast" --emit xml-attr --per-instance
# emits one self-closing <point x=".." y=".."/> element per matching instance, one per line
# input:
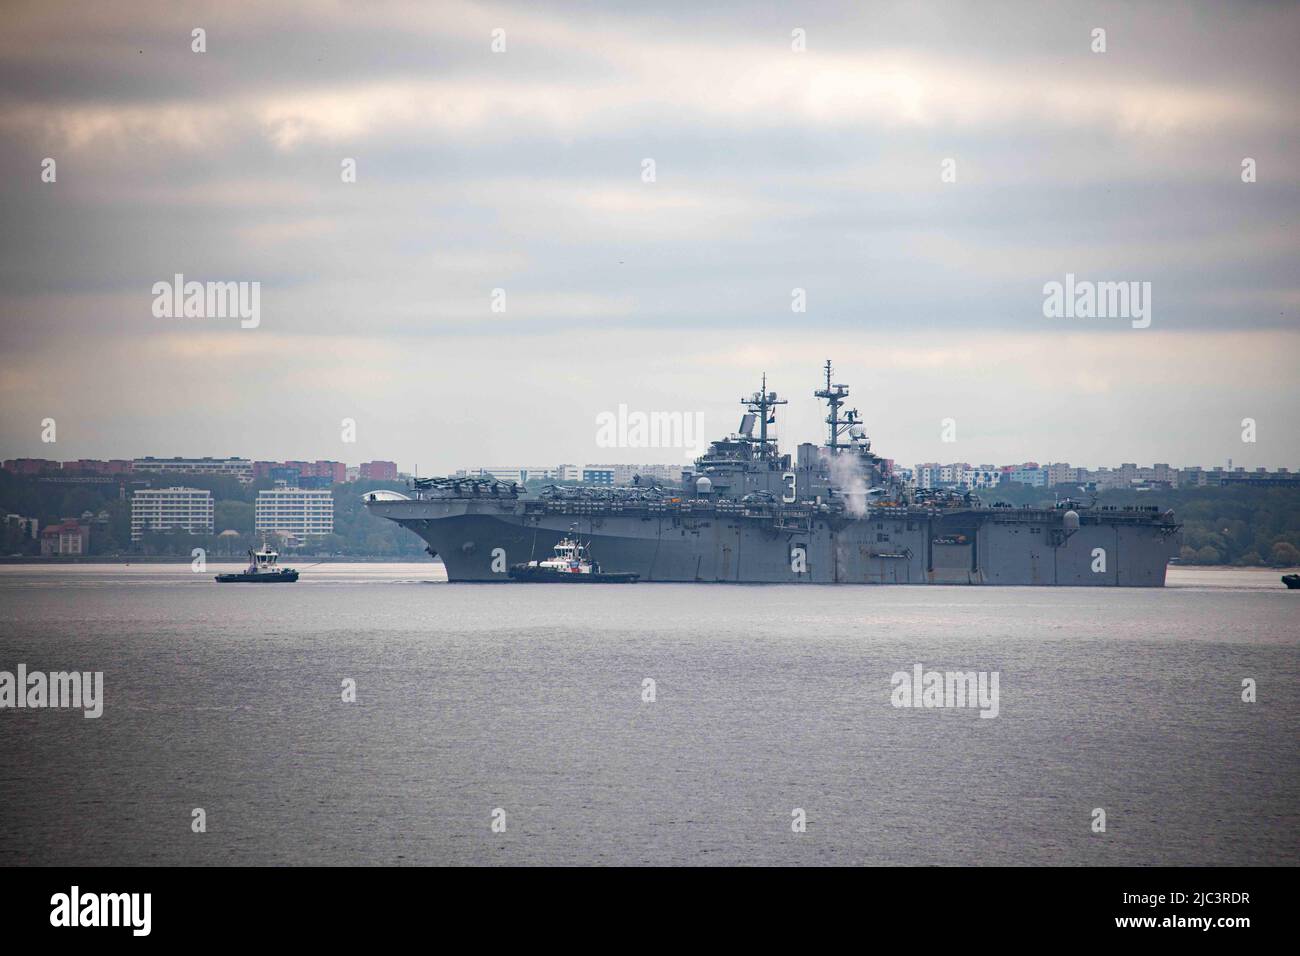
<point x="763" y="404"/>
<point x="837" y="425"/>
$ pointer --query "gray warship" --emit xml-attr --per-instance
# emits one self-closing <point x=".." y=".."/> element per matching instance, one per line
<point x="746" y="513"/>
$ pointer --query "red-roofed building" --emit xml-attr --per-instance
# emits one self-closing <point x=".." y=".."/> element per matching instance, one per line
<point x="93" y="466"/>
<point x="67" y="537"/>
<point x="335" y="472"/>
<point x="31" y="466"/>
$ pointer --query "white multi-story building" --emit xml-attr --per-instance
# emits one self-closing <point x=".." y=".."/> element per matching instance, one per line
<point x="985" y="476"/>
<point x="300" y="512"/>
<point x="162" y="509"/>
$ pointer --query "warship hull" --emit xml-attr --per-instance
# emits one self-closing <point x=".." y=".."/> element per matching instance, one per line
<point x="479" y="540"/>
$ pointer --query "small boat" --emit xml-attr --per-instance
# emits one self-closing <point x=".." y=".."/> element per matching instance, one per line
<point x="261" y="570"/>
<point x="1291" y="580"/>
<point x="569" y="564"/>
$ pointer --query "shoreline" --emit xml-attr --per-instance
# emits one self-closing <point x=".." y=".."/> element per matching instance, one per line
<point x="309" y="561"/>
<point x="62" y="560"/>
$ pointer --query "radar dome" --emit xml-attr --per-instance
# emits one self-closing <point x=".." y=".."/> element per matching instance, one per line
<point x="1071" y="519"/>
<point x="704" y="485"/>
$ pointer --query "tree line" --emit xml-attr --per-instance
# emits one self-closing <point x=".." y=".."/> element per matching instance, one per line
<point x="1221" y="525"/>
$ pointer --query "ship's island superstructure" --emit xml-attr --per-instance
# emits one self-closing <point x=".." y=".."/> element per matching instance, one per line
<point x="746" y="513"/>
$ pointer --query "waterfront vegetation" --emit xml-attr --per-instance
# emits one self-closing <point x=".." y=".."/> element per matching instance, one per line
<point x="1221" y="525"/>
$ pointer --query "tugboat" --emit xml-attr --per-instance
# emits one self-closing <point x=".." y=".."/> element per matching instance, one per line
<point x="261" y="570"/>
<point x="1291" y="580"/>
<point x="570" y="564"/>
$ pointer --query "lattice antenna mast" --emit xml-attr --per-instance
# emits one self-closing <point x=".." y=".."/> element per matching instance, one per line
<point x="763" y="404"/>
<point x="837" y="425"/>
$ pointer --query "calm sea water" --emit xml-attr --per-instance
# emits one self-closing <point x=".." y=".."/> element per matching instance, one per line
<point x="528" y="698"/>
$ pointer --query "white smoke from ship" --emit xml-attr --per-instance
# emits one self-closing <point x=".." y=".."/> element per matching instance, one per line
<point x="848" y="479"/>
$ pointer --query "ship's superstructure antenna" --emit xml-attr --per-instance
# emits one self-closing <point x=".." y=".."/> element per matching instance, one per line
<point x="837" y="425"/>
<point x="763" y="404"/>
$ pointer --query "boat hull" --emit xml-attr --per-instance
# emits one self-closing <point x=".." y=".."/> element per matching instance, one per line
<point x="479" y="540"/>
<point x="529" y="575"/>
<point x="273" y="577"/>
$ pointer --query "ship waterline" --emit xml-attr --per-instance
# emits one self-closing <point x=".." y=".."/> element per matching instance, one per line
<point x="748" y="514"/>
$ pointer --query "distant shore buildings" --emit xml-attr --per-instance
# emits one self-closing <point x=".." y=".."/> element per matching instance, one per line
<point x="1061" y="474"/>
<point x="319" y="473"/>
<point x="324" y="474"/>
<point x="587" y="474"/>
<point x="240" y="468"/>
<point x="25" y="527"/>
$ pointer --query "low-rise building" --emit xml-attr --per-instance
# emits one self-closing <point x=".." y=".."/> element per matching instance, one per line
<point x="27" y="527"/>
<point x="94" y="466"/>
<point x="67" y="537"/>
<point x="241" y="468"/>
<point x="1259" y="478"/>
<point x="301" y="474"/>
<point x="322" y="472"/>
<point x="31" y="466"/>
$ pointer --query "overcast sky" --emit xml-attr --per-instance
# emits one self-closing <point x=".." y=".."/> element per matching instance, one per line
<point x="774" y="170"/>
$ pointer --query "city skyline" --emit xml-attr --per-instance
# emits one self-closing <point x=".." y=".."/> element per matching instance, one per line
<point x="614" y="461"/>
<point x="341" y="472"/>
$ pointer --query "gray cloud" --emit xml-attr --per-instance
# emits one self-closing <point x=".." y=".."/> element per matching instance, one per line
<point x="521" y="171"/>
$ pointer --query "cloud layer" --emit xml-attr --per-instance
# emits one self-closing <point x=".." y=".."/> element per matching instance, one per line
<point x="522" y="170"/>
